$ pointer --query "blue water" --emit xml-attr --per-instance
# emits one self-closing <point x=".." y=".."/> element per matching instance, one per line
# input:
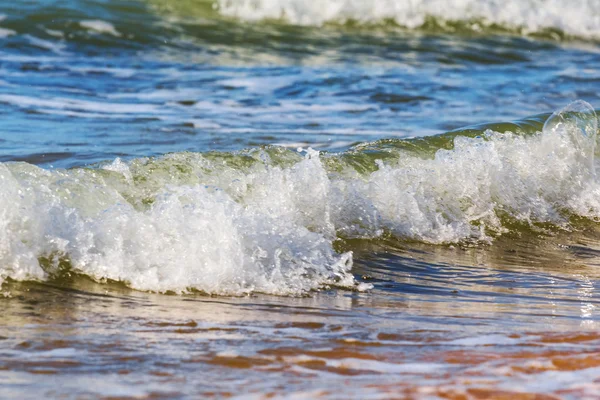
<point x="71" y="95"/>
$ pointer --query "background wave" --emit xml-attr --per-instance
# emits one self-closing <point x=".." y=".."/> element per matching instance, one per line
<point x="527" y="16"/>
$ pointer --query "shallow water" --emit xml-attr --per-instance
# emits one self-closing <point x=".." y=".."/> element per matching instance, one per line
<point x="439" y="323"/>
<point x="293" y="199"/>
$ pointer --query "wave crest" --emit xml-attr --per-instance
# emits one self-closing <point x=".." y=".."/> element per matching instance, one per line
<point x="527" y="16"/>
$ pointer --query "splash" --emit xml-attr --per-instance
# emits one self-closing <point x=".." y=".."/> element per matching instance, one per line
<point x="265" y="220"/>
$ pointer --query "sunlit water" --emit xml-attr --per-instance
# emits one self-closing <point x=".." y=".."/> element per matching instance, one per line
<point x="258" y="199"/>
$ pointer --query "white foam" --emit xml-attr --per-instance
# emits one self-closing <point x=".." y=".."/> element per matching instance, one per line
<point x="55" y="33"/>
<point x="387" y="367"/>
<point x="485" y="340"/>
<point x="117" y="72"/>
<point x="4" y="33"/>
<point x="193" y="236"/>
<point x="575" y="18"/>
<point x="100" y="26"/>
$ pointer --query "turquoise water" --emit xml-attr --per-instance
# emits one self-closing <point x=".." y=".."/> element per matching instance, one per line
<point x="278" y="198"/>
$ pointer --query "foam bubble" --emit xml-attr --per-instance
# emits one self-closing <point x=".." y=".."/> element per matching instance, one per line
<point x="190" y="237"/>
<point x="467" y="192"/>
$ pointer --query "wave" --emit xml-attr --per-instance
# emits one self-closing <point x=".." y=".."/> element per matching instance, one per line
<point x="222" y="25"/>
<point x="549" y="17"/>
<point x="267" y="219"/>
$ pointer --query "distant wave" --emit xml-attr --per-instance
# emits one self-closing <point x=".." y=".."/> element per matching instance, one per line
<point x="579" y="19"/>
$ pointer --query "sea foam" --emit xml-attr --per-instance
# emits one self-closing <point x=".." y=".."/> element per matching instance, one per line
<point x="266" y="222"/>
<point x="191" y="237"/>
<point x="530" y="16"/>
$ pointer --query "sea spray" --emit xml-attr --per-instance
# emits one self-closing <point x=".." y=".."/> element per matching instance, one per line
<point x="265" y="220"/>
<point x="465" y="193"/>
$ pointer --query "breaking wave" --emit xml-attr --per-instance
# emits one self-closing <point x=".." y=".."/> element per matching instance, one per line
<point x="527" y="17"/>
<point x="266" y="219"/>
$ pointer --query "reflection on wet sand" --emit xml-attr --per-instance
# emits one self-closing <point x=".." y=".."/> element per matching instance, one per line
<point x="497" y="322"/>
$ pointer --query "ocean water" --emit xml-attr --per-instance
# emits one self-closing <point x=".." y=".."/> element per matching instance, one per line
<point x="299" y="199"/>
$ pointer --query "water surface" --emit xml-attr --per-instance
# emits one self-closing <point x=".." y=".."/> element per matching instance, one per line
<point x="292" y="199"/>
